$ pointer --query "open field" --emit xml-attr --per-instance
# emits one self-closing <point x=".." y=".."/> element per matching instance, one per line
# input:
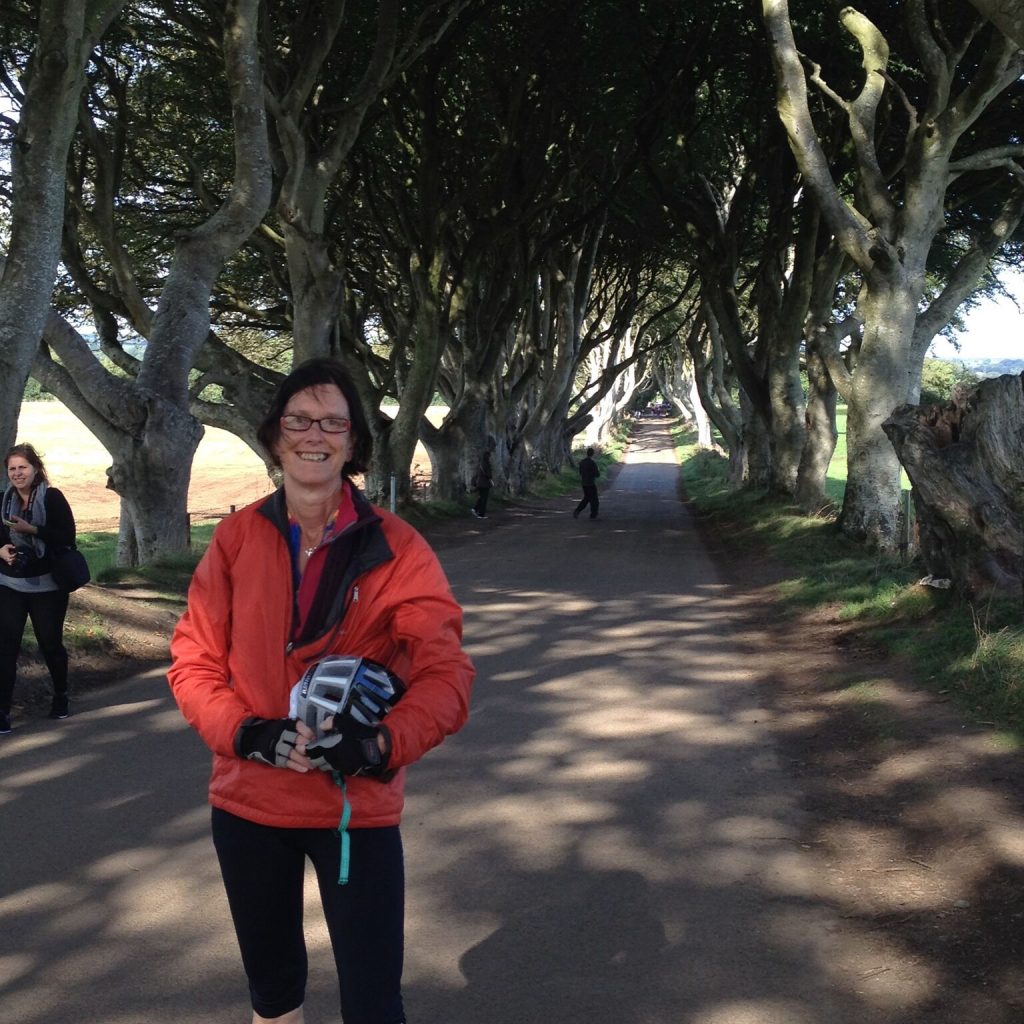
<point x="225" y="471"/>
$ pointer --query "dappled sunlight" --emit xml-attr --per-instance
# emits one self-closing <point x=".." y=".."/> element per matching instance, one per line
<point x="124" y="864"/>
<point x="755" y="1011"/>
<point x="537" y="831"/>
<point x="101" y="915"/>
<point x="55" y="769"/>
<point x="894" y="979"/>
<point x="620" y="833"/>
<point x="141" y="707"/>
<point x="580" y="770"/>
<point x="114" y="737"/>
<point x="779" y="872"/>
<point x="1007" y="841"/>
<point x="615" y="848"/>
<point x="14" y="967"/>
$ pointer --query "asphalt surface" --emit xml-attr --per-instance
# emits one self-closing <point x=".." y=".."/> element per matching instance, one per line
<point x="610" y="840"/>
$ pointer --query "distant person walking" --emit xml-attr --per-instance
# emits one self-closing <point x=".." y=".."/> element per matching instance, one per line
<point x="36" y="519"/>
<point x="484" y="479"/>
<point x="589" y="472"/>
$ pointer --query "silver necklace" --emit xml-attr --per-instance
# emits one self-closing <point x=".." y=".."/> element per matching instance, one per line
<point x="309" y="551"/>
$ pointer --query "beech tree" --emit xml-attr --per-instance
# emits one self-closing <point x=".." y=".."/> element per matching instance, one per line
<point x="913" y="139"/>
<point x="1006" y="15"/>
<point x="47" y="98"/>
<point x="485" y="177"/>
<point x="146" y="422"/>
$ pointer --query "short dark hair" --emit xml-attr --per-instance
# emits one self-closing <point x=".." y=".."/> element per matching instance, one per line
<point x="590" y="452"/>
<point x="31" y="456"/>
<point x="316" y="373"/>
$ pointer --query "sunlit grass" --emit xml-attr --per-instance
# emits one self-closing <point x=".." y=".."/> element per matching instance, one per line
<point x="168" y="577"/>
<point x="975" y="655"/>
<point x="90" y="634"/>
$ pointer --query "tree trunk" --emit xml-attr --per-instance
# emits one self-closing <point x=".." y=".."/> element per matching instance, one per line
<point x="964" y="460"/>
<point x="151" y="473"/>
<point x="821" y="436"/>
<point x="788" y="419"/>
<point x="150" y="418"/>
<point x="316" y="291"/>
<point x="1007" y="15"/>
<point x="757" y="444"/>
<point x="879" y="384"/>
<point x="456" y="448"/>
<point x="68" y="30"/>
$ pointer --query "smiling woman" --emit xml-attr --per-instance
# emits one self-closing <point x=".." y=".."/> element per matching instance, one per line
<point x="312" y="574"/>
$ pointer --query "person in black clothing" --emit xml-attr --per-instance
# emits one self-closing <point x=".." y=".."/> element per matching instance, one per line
<point x="589" y="472"/>
<point x="484" y="479"/>
<point x="36" y="519"/>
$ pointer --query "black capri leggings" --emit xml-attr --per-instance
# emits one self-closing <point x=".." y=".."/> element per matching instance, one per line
<point x="263" y="869"/>
<point x="47" y="611"/>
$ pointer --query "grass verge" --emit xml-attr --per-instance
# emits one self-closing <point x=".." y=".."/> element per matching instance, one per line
<point x="972" y="653"/>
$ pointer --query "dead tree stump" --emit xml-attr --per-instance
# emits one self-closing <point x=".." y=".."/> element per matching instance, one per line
<point x="965" y="459"/>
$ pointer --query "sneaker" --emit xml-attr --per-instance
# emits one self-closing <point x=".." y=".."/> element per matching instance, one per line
<point x="5" y="724"/>
<point x="59" y="707"/>
<point x="479" y="515"/>
<point x="576" y="514"/>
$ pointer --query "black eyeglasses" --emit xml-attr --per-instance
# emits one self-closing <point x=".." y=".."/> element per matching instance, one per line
<point x="328" y="424"/>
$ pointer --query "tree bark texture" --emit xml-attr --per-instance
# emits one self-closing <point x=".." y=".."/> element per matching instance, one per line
<point x="146" y="424"/>
<point x="888" y="233"/>
<point x="820" y="443"/>
<point x="1006" y="15"/>
<point x="68" y="30"/>
<point x="964" y="461"/>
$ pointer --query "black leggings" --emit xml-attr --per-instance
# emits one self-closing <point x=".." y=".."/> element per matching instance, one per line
<point x="263" y="869"/>
<point x="47" y="610"/>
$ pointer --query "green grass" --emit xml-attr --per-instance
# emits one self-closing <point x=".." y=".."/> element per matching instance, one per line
<point x="835" y="478"/>
<point x="170" y="575"/>
<point x="975" y="654"/>
<point x="874" y="711"/>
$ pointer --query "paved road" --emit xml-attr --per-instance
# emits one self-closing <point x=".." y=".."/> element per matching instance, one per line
<point x="609" y="841"/>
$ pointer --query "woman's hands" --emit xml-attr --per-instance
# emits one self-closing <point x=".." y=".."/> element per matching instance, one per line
<point x="288" y="743"/>
<point x="279" y="742"/>
<point x="8" y="553"/>
<point x="361" y="750"/>
<point x="18" y="525"/>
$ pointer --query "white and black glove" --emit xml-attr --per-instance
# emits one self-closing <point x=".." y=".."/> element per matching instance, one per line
<point x="268" y="740"/>
<point x="357" y="751"/>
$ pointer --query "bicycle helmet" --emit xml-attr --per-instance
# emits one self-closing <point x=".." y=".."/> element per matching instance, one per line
<point x="347" y="687"/>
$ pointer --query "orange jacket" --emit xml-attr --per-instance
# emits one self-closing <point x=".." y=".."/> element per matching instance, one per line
<point x="232" y="658"/>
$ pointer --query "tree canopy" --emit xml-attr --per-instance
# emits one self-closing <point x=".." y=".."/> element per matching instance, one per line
<point x="534" y="210"/>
